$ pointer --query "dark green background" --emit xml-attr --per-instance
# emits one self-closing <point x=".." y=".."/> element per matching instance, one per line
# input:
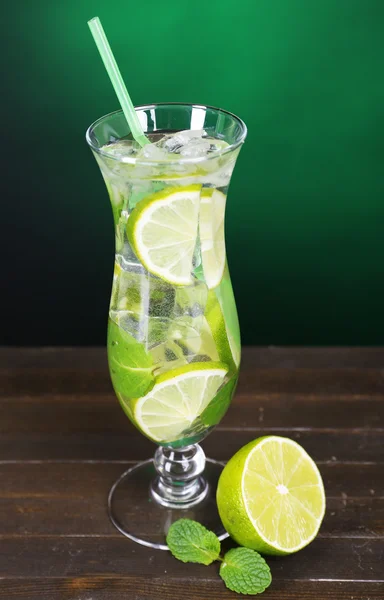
<point x="306" y="214"/>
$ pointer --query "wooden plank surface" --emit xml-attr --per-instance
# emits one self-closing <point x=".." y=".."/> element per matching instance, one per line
<point x="271" y="357"/>
<point x="107" y="587"/>
<point x="353" y="382"/>
<point x="58" y="556"/>
<point x="324" y="446"/>
<point x="64" y="440"/>
<point x="48" y="498"/>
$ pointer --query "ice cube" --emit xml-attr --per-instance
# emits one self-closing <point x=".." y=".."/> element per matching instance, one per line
<point x="153" y="152"/>
<point x="191" y="300"/>
<point x="141" y="303"/>
<point x="147" y="330"/>
<point x="185" y="331"/>
<point x="219" y="170"/>
<point x="220" y="178"/>
<point x="196" y="148"/>
<point x="155" y="331"/>
<point x="121" y="149"/>
<point x="174" y="143"/>
<point x="128" y="321"/>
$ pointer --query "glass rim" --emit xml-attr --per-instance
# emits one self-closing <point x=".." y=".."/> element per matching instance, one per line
<point x="150" y="162"/>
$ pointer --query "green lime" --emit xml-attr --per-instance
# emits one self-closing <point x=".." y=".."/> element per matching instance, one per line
<point x="271" y="497"/>
<point x="178" y="397"/>
<point x="162" y="230"/>
<point x="211" y="226"/>
<point x="227" y="348"/>
<point x="216" y="409"/>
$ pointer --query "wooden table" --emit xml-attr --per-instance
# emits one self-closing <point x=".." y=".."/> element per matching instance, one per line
<point x="64" y="440"/>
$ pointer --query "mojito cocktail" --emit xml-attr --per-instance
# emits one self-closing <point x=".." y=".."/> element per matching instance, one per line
<point x="173" y="333"/>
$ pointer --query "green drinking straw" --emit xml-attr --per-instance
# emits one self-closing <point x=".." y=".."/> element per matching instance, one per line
<point x="117" y="81"/>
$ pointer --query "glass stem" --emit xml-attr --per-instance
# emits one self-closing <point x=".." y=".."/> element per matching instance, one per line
<point x="179" y="483"/>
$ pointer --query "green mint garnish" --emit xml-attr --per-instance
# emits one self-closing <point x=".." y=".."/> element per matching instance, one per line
<point x="244" y="571"/>
<point x="131" y="365"/>
<point x="191" y="542"/>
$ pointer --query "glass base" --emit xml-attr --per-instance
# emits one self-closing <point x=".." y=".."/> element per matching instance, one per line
<point x="134" y="511"/>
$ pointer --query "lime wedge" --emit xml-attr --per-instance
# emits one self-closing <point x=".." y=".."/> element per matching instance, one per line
<point x="177" y="399"/>
<point x="227" y="347"/>
<point x="216" y="409"/>
<point x="211" y="224"/>
<point x="271" y="497"/>
<point x="162" y="230"/>
<point x="228" y="307"/>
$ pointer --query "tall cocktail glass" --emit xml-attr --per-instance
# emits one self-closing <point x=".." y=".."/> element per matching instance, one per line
<point x="173" y="333"/>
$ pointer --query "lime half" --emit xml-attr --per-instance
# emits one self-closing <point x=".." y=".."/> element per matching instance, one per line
<point x="162" y="230"/>
<point x="271" y="497"/>
<point x="212" y="213"/>
<point x="177" y="399"/>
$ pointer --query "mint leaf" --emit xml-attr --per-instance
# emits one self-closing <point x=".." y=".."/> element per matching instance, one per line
<point x="191" y="542"/>
<point x="130" y="364"/>
<point x="244" y="571"/>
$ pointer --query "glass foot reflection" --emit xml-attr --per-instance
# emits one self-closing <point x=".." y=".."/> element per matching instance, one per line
<point x="136" y="514"/>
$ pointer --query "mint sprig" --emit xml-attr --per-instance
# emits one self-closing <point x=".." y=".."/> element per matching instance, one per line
<point x="191" y="542"/>
<point x="243" y="570"/>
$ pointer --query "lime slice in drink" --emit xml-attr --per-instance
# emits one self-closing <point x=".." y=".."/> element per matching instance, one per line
<point x="228" y="306"/>
<point x="162" y="230"/>
<point x="208" y="346"/>
<point x="234" y="345"/>
<point x="177" y="399"/>
<point x="212" y="213"/>
<point x="271" y="497"/>
<point x="227" y="347"/>
<point x="216" y="409"/>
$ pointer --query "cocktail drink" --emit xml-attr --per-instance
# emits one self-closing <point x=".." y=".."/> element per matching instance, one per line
<point x="173" y="333"/>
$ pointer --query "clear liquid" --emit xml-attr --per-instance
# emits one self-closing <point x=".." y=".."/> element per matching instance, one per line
<point x="175" y="325"/>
